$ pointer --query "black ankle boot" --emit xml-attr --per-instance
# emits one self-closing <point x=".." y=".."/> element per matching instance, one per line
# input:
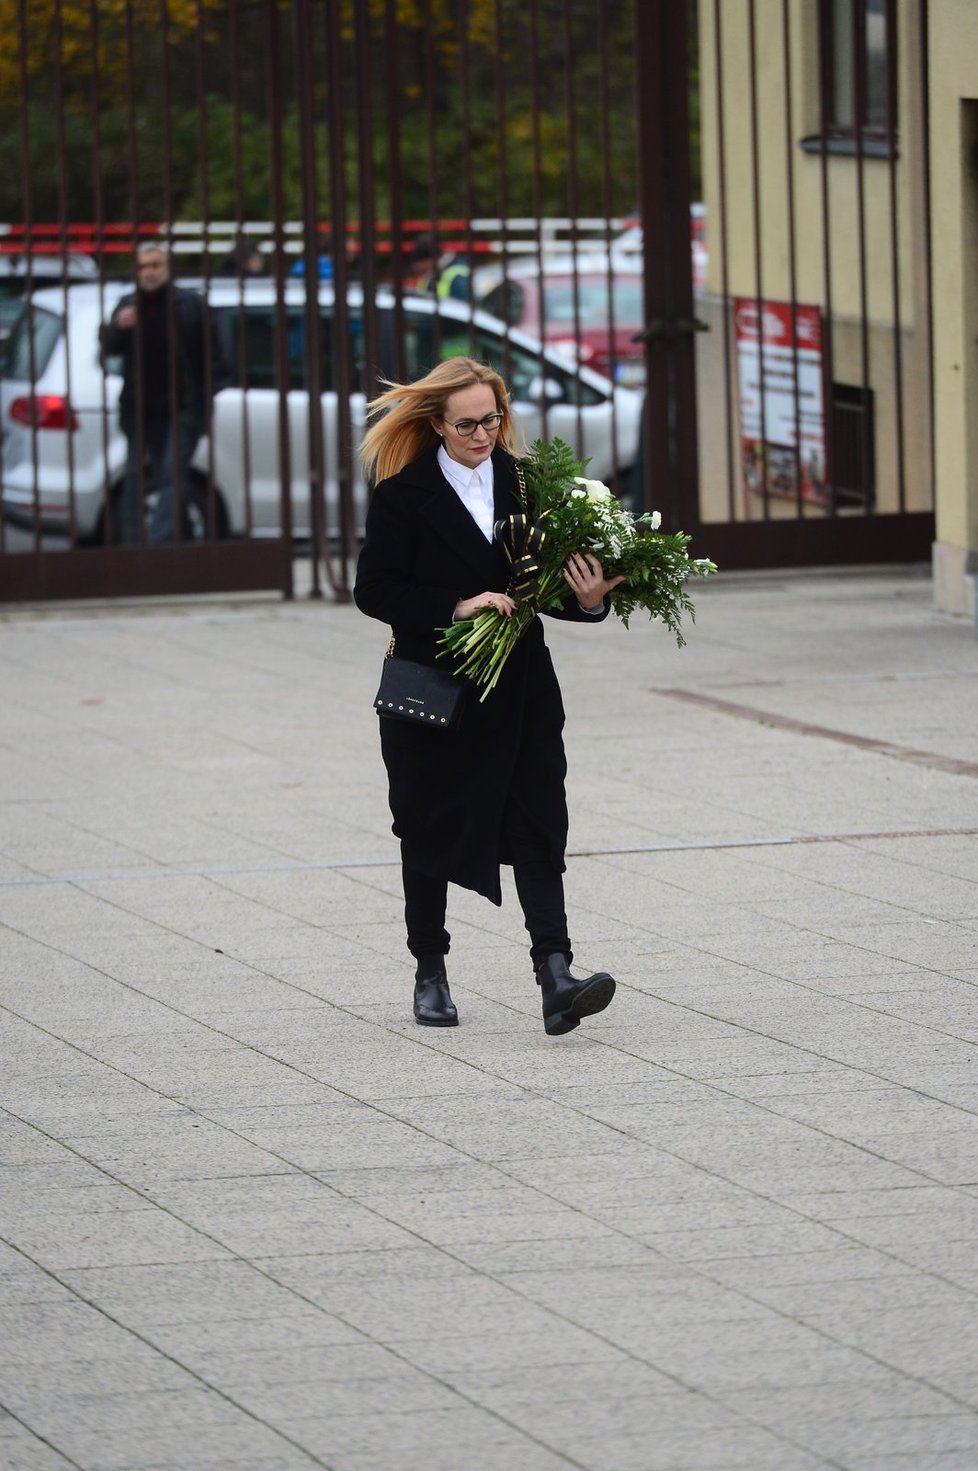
<point x="567" y="998"/>
<point x="433" y="1005"/>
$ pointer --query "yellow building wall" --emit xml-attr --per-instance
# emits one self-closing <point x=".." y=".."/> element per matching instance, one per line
<point x="875" y="250"/>
<point x="778" y="136"/>
<point x="954" y="195"/>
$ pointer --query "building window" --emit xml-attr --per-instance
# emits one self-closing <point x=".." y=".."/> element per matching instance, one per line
<point x="858" y="37"/>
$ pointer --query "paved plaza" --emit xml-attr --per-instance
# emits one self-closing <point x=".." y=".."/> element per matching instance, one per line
<point x="253" y="1218"/>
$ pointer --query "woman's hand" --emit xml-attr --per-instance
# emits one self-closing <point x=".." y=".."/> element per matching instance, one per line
<point x="469" y="607"/>
<point x="583" y="574"/>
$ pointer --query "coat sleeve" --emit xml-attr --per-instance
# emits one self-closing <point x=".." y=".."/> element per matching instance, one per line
<point x="572" y="612"/>
<point x="114" y="340"/>
<point x="386" y="584"/>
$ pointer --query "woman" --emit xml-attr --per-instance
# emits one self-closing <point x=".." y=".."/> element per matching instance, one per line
<point x="492" y="791"/>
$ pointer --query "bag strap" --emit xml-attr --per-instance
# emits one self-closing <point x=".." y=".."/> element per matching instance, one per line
<point x="390" y="649"/>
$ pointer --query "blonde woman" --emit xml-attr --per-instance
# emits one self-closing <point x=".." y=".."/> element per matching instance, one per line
<point x="464" y="801"/>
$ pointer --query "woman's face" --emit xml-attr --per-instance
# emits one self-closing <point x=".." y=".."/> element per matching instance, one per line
<point x="469" y="404"/>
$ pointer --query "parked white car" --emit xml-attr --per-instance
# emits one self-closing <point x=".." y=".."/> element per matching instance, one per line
<point x="62" y="446"/>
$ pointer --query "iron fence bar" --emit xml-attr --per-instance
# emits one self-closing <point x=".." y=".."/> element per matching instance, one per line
<point x="758" y="251"/>
<point x="395" y="184"/>
<point x="573" y="209"/>
<point x="828" y="335"/>
<point x="241" y="323"/>
<point x="176" y="468"/>
<point x="137" y="359"/>
<point x="891" y="145"/>
<point x="651" y="65"/>
<point x="792" y="248"/>
<point x="731" y="426"/>
<point x="858" y="106"/>
<point x="210" y="367"/>
<point x="98" y="210"/>
<point x="367" y="183"/>
<point x="465" y="81"/>
<point x="62" y="175"/>
<point x="678" y="186"/>
<point x="341" y="315"/>
<point x="312" y="333"/>
<point x="273" y="62"/>
<point x="537" y="155"/>
<point x="28" y="197"/>
<point x="604" y="110"/>
<point x="502" y="190"/>
<point x="430" y="94"/>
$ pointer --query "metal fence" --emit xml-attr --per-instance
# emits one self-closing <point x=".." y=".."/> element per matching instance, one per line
<point x="319" y="143"/>
<point x="811" y="415"/>
<point x="692" y="237"/>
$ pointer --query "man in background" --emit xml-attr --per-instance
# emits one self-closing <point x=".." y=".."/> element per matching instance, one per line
<point x="442" y="272"/>
<point x="158" y="331"/>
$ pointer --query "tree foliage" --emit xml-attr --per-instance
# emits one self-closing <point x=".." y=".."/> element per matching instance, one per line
<point x="160" y="109"/>
<point x="78" y="40"/>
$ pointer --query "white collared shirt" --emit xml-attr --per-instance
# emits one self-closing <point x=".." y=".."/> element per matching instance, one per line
<point x="474" y="488"/>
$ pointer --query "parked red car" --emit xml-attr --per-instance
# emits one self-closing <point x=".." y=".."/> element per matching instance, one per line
<point x="589" y="309"/>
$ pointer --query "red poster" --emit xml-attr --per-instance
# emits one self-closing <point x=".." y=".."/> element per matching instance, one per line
<point x="782" y="417"/>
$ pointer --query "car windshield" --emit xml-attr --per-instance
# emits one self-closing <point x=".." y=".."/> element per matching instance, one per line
<point x="592" y="301"/>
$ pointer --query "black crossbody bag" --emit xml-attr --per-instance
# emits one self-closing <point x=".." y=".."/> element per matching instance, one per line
<point x="419" y="693"/>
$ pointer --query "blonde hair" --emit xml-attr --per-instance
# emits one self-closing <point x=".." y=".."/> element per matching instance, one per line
<point x="403" y="430"/>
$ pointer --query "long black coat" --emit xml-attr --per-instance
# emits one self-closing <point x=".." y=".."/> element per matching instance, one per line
<point x="449" y="789"/>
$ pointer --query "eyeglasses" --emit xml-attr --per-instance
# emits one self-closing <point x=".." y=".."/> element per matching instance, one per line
<point x="467" y="427"/>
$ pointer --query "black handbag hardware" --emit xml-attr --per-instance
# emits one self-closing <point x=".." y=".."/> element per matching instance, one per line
<point x="419" y="693"/>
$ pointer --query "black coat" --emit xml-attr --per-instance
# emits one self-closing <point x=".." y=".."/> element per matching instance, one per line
<point x="422" y="552"/>
<point x="191" y="354"/>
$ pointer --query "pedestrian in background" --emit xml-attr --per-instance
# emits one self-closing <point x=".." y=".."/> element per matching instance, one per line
<point x="438" y="271"/>
<point x="243" y="261"/>
<point x="159" y="333"/>
<point x="491" y="792"/>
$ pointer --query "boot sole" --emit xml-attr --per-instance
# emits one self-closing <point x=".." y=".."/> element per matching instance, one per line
<point x="586" y="1003"/>
<point x="436" y="1021"/>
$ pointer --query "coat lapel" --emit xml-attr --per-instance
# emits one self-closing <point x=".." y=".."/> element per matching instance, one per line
<point x="504" y="487"/>
<point x="451" y="521"/>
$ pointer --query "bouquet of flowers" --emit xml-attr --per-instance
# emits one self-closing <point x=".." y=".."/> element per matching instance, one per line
<point x="564" y="512"/>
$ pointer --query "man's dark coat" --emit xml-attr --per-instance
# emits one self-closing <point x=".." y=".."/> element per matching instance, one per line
<point x="422" y="552"/>
<point x="190" y="359"/>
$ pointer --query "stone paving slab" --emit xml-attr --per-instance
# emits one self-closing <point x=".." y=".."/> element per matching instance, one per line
<point x="253" y="1219"/>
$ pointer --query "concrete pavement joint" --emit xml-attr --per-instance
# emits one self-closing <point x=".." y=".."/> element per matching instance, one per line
<point x="507" y="1285"/>
<point x="933" y="759"/>
<point x="739" y="1206"/>
<point x="255" y="1264"/>
<point x="499" y="1168"/>
<point x="376" y="1106"/>
<point x="19" y="1419"/>
<point x="127" y="1328"/>
<point x="709" y="845"/>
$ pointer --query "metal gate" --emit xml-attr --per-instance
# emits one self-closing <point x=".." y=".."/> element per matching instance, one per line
<point x="602" y="198"/>
<point x="790" y="403"/>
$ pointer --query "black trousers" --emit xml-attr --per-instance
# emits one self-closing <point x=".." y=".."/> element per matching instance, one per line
<point x="539" y="887"/>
